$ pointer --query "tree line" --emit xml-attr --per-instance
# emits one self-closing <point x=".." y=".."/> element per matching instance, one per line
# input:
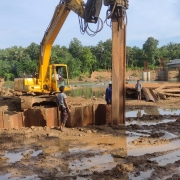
<point x="83" y="59"/>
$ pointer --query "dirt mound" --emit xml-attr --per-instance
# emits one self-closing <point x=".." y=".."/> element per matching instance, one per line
<point x="99" y="76"/>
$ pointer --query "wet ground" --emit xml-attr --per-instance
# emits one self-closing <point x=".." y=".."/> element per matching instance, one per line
<point x="146" y="147"/>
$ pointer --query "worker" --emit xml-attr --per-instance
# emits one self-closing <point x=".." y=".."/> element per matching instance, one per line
<point x="24" y="75"/>
<point x="58" y="78"/>
<point x="108" y="96"/>
<point x="63" y="107"/>
<point x="138" y="88"/>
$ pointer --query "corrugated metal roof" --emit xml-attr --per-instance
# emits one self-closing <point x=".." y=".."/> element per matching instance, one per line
<point x="175" y="61"/>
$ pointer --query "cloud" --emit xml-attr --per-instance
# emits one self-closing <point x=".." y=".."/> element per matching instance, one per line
<point x="23" y="22"/>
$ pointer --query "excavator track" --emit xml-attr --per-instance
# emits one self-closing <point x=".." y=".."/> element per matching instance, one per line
<point x="28" y="102"/>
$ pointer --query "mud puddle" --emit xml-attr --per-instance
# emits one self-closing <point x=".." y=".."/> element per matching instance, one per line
<point x="93" y="155"/>
<point x="135" y="134"/>
<point x="82" y="178"/>
<point x="97" y="163"/>
<point x="168" y="135"/>
<point x="70" y="158"/>
<point x="152" y="149"/>
<point x="148" y="123"/>
<point x="6" y="176"/>
<point x="10" y="176"/>
<point x="87" y="91"/>
<point x="141" y="175"/>
<point x="168" y="158"/>
<point x="73" y="157"/>
<point x="14" y="157"/>
<point x="152" y="111"/>
<point x="82" y="153"/>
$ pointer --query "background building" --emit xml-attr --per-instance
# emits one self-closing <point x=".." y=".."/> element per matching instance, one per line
<point x="174" y="64"/>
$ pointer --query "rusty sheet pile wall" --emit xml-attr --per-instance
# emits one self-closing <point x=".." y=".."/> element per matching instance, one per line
<point x="98" y="114"/>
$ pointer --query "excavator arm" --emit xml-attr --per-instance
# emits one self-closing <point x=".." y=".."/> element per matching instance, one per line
<point x="60" y="14"/>
<point x="89" y="12"/>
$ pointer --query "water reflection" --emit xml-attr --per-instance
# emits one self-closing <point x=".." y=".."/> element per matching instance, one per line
<point x="87" y="92"/>
<point x="152" y="149"/>
<point x="151" y="122"/>
<point x="85" y="157"/>
<point x="97" y="152"/>
<point x="139" y="114"/>
<point x="10" y="176"/>
<point x="6" y="176"/>
<point x="167" y="158"/>
<point x="14" y="157"/>
<point x="152" y="111"/>
<point x="142" y="175"/>
<point x="96" y="163"/>
<point x="94" y="155"/>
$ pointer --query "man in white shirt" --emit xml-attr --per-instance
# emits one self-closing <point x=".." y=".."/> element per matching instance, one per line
<point x="58" y="78"/>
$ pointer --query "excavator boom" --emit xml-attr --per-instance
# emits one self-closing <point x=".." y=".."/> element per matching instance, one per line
<point x="59" y="17"/>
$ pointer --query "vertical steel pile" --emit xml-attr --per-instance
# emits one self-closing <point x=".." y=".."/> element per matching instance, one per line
<point x="118" y="60"/>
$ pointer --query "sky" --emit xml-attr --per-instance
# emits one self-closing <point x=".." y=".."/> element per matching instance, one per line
<point x="25" y="21"/>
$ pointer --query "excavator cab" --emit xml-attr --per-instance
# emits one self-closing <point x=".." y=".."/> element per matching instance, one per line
<point x="59" y="77"/>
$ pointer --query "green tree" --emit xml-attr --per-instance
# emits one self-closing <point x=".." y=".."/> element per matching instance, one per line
<point x="33" y="50"/>
<point x="97" y="52"/>
<point x="76" y="48"/>
<point x="88" y="60"/>
<point x="74" y="67"/>
<point x="151" y="50"/>
<point x="6" y="70"/>
<point x="106" y="62"/>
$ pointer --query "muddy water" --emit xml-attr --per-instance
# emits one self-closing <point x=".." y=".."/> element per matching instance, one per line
<point x="97" y="163"/>
<point x="142" y="175"/>
<point x="80" y="153"/>
<point x="152" y="149"/>
<point x="87" y="159"/>
<point x="152" y="111"/>
<point x="83" y="158"/>
<point x="168" y="158"/>
<point x="9" y="176"/>
<point x="95" y="154"/>
<point x="13" y="157"/>
<point x="148" y="123"/>
<point x="88" y="91"/>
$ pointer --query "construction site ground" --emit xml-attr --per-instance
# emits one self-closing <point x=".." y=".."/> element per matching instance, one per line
<point x="146" y="147"/>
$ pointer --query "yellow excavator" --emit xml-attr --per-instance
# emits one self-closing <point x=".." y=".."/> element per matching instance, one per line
<point x="46" y="80"/>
